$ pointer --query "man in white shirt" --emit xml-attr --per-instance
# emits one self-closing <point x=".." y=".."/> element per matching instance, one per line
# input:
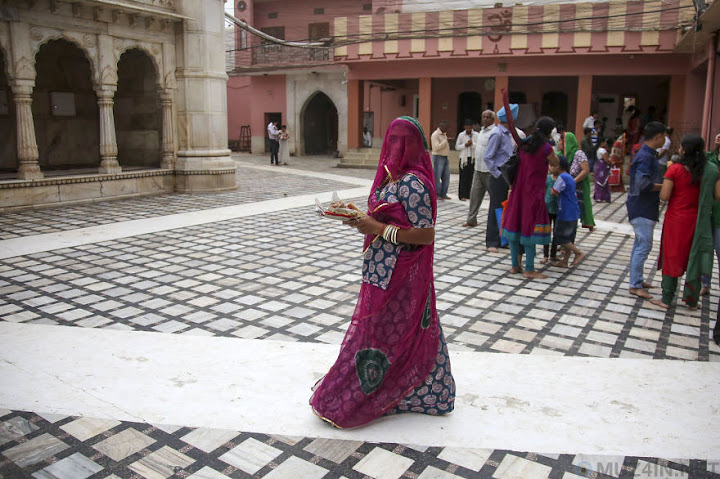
<point x="664" y="152"/>
<point x="481" y="177"/>
<point x="274" y="136"/>
<point x="590" y="121"/>
<point x="441" y="167"/>
<point x="465" y="144"/>
<point x="367" y="138"/>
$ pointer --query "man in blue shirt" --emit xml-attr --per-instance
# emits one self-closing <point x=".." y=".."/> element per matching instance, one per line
<point x="499" y="149"/>
<point x="643" y="204"/>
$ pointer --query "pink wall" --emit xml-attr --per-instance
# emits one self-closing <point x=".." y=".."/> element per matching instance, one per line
<point x="540" y="66"/>
<point x="445" y="92"/>
<point x="694" y="99"/>
<point x="295" y="16"/>
<point x="249" y="98"/>
<point x="386" y="104"/>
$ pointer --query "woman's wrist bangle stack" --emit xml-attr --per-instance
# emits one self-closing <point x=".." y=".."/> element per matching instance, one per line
<point x="390" y="233"/>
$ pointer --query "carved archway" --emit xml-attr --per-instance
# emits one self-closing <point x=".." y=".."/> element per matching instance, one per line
<point x="65" y="107"/>
<point x="138" y="114"/>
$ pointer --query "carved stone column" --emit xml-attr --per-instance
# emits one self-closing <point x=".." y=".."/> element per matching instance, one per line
<point x="169" y="154"/>
<point x="108" y="144"/>
<point x="28" y="167"/>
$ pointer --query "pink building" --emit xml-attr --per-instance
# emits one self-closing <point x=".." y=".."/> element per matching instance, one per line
<point x="398" y="57"/>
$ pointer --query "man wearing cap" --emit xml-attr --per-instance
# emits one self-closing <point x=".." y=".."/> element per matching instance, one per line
<point x="499" y="149"/>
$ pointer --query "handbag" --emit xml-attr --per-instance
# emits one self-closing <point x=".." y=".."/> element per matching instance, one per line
<point x="614" y="178"/>
<point x="509" y="169"/>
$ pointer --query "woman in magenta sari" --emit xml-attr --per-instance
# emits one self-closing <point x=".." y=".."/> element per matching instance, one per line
<point x="394" y="357"/>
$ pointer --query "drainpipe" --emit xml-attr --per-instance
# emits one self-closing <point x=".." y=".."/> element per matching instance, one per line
<point x="709" y="91"/>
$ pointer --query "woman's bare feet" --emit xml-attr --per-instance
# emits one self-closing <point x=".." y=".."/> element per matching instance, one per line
<point x="544" y="260"/>
<point x="534" y="275"/>
<point x="492" y="249"/>
<point x="515" y="270"/>
<point x="559" y="264"/>
<point x="658" y="302"/>
<point x="578" y="258"/>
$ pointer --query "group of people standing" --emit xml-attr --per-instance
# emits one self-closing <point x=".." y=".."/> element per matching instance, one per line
<point x="278" y="137"/>
<point x="519" y="216"/>
<point x="691" y="228"/>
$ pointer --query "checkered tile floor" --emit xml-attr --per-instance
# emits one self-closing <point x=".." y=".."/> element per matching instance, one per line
<point x="293" y="276"/>
<point x="47" y="446"/>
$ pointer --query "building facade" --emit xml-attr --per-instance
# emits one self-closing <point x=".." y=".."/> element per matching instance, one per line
<point x="387" y="58"/>
<point x="103" y="99"/>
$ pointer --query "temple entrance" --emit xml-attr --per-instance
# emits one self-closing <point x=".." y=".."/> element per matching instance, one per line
<point x="138" y="113"/>
<point x="555" y="105"/>
<point x="65" y="108"/>
<point x="470" y="106"/>
<point x="320" y="125"/>
<point x="8" y="142"/>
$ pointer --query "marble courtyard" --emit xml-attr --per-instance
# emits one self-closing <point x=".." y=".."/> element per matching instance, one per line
<point x="179" y="335"/>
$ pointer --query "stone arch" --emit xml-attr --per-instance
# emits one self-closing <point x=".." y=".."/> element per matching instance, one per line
<point x="153" y="52"/>
<point x="65" y="106"/>
<point x="320" y="124"/>
<point x="138" y="112"/>
<point x="86" y="43"/>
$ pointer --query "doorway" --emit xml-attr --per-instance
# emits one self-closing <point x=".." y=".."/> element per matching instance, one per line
<point x="320" y="126"/>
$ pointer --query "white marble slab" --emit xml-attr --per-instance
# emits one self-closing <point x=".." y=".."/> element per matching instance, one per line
<point x="594" y="406"/>
<point x="311" y="174"/>
<point x="125" y="229"/>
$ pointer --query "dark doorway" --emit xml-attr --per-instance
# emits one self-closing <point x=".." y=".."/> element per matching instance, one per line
<point x="555" y="105"/>
<point x="470" y="106"/>
<point x="65" y="109"/>
<point x="8" y="143"/>
<point x="138" y="115"/>
<point x="320" y="126"/>
<point x="268" y="118"/>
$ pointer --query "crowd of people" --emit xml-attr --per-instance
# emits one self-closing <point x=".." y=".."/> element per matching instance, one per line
<point x="552" y="191"/>
<point x="394" y="357"/>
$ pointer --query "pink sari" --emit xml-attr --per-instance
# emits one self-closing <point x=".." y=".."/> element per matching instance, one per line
<point x="392" y="342"/>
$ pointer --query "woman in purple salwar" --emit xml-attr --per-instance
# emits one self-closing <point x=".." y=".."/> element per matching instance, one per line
<point x="602" y="172"/>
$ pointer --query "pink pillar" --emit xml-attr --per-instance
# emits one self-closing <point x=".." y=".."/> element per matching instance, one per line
<point x="709" y="91"/>
<point x="677" y="100"/>
<point x="356" y="93"/>
<point x="584" y="100"/>
<point x="425" y="106"/>
<point x="502" y="82"/>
